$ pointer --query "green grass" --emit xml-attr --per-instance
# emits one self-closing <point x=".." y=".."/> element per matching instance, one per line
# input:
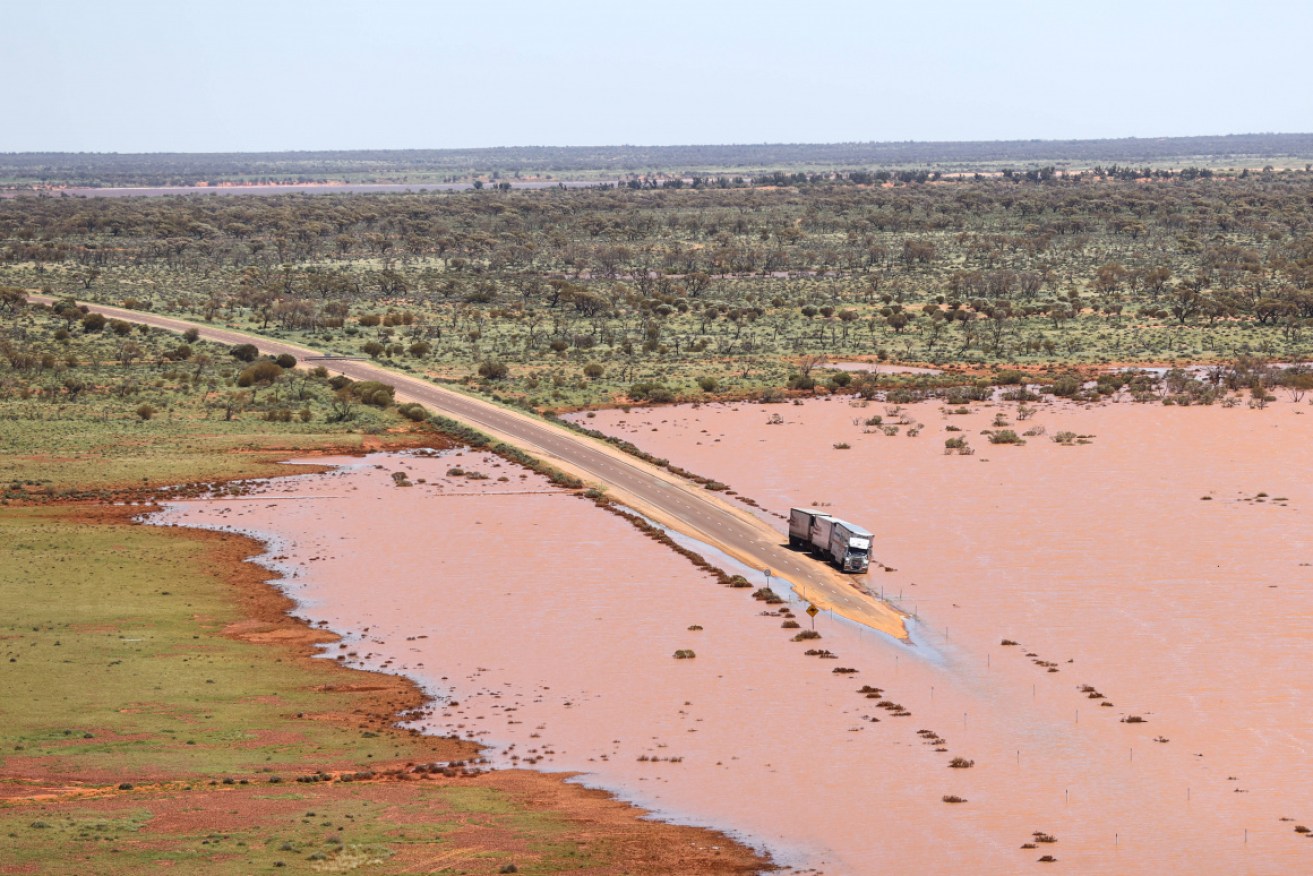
<point x="434" y="830"/>
<point x="113" y="661"/>
<point x="60" y="457"/>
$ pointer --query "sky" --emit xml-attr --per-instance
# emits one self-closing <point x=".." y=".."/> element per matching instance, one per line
<point x="241" y="75"/>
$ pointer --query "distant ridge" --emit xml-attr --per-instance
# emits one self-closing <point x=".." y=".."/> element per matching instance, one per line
<point x="131" y="169"/>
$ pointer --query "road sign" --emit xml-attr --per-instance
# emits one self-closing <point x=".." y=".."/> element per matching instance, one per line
<point x="813" y="610"/>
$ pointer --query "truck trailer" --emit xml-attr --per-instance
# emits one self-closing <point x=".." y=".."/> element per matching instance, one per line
<point x="846" y="545"/>
<point x="801" y="521"/>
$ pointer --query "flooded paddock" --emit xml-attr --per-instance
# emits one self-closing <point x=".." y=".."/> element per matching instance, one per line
<point x="1160" y="572"/>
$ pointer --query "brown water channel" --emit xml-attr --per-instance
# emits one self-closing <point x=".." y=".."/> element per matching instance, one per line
<point x="552" y="625"/>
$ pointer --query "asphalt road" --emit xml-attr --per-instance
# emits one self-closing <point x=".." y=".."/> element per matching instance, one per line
<point x="673" y="502"/>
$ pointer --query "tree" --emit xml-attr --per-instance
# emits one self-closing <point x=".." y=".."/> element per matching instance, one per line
<point x="1184" y="301"/>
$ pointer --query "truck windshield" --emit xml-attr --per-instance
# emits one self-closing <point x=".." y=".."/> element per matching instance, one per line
<point x="857" y="552"/>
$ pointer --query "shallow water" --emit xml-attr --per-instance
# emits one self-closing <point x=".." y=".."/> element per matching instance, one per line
<point x="552" y="624"/>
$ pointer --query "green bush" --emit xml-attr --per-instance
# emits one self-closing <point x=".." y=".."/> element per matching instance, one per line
<point x="801" y="381"/>
<point x="1005" y="436"/>
<point x="957" y="444"/>
<point x="493" y="370"/>
<point x="1066" y="386"/>
<point x="413" y="411"/>
<point x="371" y="392"/>
<point x="265" y="371"/>
<point x="653" y="392"/>
<point x="244" y="352"/>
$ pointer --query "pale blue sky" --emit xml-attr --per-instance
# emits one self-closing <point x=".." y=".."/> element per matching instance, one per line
<point x="241" y="75"/>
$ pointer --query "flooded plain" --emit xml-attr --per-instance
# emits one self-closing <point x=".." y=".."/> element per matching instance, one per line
<point x="1156" y="581"/>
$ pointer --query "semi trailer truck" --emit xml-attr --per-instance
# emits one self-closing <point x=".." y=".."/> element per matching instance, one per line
<point x="846" y="545"/>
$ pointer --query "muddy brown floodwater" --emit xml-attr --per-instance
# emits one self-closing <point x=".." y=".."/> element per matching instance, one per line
<point x="546" y="628"/>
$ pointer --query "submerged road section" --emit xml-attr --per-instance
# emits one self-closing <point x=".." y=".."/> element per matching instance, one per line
<point x="663" y="497"/>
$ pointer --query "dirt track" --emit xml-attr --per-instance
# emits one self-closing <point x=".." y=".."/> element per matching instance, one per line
<point x="654" y="492"/>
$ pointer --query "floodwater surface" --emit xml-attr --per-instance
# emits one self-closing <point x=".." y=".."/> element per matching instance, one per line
<point x="546" y="628"/>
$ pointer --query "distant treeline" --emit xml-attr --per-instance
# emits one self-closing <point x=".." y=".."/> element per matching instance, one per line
<point x="155" y="169"/>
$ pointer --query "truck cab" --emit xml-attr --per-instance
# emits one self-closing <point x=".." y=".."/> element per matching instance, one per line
<point x="850" y="547"/>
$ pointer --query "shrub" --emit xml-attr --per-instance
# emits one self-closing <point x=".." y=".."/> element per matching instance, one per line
<point x="493" y="370"/>
<point x="286" y="360"/>
<point x="653" y="392"/>
<point x="905" y="396"/>
<point x="960" y="395"/>
<point x="957" y="444"/>
<point x="594" y="371"/>
<point x="1005" y="436"/>
<point x="371" y="392"/>
<point x="145" y="412"/>
<point x="801" y="381"/>
<point x="372" y="349"/>
<point x="1010" y="377"/>
<point x="1066" y="386"/>
<point x="93" y="322"/>
<point x="961" y="763"/>
<point x="244" y="352"/>
<point x="263" y="372"/>
<point x="708" y="384"/>
<point x="413" y="411"/>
